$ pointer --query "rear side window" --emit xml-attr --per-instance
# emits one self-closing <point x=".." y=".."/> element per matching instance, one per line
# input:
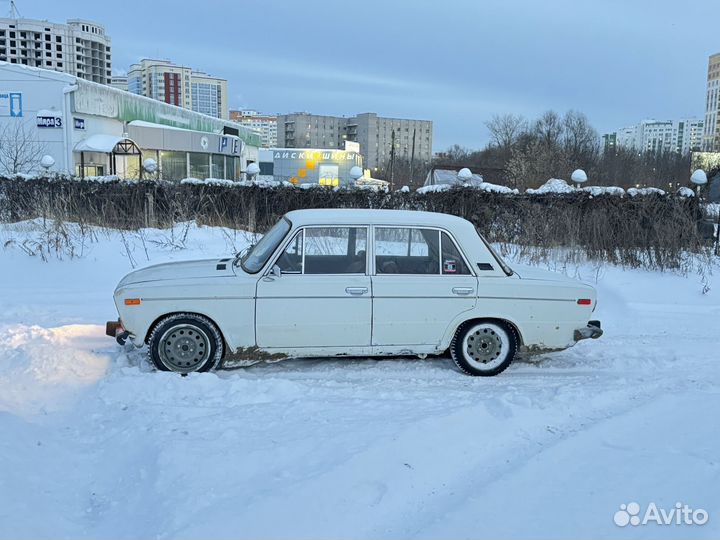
<point x="407" y="250"/>
<point x="452" y="261"/>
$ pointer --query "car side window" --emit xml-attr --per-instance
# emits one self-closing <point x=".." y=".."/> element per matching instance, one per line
<point x="407" y="250"/>
<point x="452" y="261"/>
<point x="290" y="260"/>
<point x="334" y="250"/>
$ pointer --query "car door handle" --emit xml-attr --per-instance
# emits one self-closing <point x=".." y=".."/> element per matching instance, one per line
<point x="462" y="291"/>
<point x="356" y="291"/>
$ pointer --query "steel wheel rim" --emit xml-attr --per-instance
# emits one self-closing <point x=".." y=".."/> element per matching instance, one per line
<point x="184" y="348"/>
<point x="485" y="347"/>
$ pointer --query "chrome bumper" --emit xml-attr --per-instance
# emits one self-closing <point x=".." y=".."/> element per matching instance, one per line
<point x="591" y="331"/>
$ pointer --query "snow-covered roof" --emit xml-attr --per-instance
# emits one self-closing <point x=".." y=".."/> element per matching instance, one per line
<point x="39" y="72"/>
<point x="99" y="143"/>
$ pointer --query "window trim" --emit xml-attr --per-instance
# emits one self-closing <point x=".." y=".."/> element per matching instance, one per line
<point x="431" y="227"/>
<point x="303" y="228"/>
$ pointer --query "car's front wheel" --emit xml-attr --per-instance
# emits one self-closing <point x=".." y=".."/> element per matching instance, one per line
<point x="483" y="348"/>
<point x="185" y="342"/>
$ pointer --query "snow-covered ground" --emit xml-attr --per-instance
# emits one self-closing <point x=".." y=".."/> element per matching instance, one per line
<point x="93" y="444"/>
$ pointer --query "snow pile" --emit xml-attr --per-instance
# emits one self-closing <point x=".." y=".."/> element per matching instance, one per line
<point x="101" y="179"/>
<point x="404" y="189"/>
<point x="596" y="191"/>
<point x="434" y="188"/>
<point x="554" y="185"/>
<point x="634" y="192"/>
<point x="484" y="186"/>
<point x="685" y="192"/>
<point x="40" y="368"/>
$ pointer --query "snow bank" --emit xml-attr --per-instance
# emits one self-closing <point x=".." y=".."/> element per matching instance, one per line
<point x="41" y="369"/>
<point x="554" y="185"/>
<point x="634" y="192"/>
<point x="484" y="186"/>
<point x="596" y="191"/>
<point x="685" y="192"/>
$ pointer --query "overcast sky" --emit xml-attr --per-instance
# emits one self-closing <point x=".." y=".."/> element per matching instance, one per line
<point x="455" y="62"/>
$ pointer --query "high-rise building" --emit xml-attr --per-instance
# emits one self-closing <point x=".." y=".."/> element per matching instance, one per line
<point x="119" y="81"/>
<point x="711" y="136"/>
<point x="681" y="136"/>
<point x="179" y="85"/>
<point x="80" y="48"/>
<point x="264" y="124"/>
<point x="412" y="138"/>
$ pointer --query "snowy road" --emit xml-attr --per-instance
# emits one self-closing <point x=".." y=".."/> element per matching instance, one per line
<point x="95" y="445"/>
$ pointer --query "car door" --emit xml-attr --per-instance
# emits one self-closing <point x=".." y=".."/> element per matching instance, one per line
<point x="321" y="296"/>
<point x="421" y="282"/>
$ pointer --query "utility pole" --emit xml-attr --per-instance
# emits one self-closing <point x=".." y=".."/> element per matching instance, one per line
<point x="392" y="159"/>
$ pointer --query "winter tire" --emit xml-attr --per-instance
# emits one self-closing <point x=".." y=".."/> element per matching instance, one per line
<point x="483" y="348"/>
<point x="184" y="343"/>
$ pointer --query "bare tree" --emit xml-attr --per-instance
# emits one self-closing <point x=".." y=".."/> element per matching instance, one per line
<point x="548" y="129"/>
<point x="580" y="140"/>
<point x="505" y="129"/>
<point x="20" y="151"/>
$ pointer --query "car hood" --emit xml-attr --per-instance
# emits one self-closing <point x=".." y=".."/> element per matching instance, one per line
<point x="531" y="272"/>
<point x="206" y="268"/>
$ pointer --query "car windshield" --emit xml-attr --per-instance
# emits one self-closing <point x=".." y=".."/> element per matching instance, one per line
<point x="256" y="257"/>
<point x="496" y="255"/>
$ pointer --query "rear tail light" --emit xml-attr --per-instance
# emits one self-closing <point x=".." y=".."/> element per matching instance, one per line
<point x="584" y="301"/>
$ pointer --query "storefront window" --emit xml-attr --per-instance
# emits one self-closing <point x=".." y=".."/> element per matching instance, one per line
<point x="173" y="165"/>
<point x="217" y="169"/>
<point x="199" y="166"/>
<point x="233" y="167"/>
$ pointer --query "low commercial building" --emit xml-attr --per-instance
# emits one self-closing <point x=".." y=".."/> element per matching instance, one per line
<point x="91" y="129"/>
<point x="327" y="167"/>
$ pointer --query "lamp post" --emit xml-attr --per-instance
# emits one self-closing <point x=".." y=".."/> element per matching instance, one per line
<point x="47" y="161"/>
<point x="252" y="171"/>
<point x="356" y="173"/>
<point x="699" y="178"/>
<point x="579" y="177"/>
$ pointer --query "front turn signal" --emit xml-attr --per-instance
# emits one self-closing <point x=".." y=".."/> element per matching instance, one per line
<point x="132" y="301"/>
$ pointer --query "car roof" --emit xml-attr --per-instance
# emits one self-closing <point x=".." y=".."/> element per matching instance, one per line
<point x="348" y="216"/>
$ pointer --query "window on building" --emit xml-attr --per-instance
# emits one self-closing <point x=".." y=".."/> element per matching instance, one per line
<point x="173" y="165"/>
<point x="217" y="166"/>
<point x="199" y="165"/>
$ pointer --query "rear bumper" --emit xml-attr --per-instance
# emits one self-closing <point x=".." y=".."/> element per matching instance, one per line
<point x="593" y="330"/>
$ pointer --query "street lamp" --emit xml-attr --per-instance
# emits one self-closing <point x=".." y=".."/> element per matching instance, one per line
<point x="699" y="178"/>
<point x="579" y="177"/>
<point x="464" y="175"/>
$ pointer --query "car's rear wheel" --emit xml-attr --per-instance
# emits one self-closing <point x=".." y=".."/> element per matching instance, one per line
<point x="484" y="348"/>
<point x="184" y="343"/>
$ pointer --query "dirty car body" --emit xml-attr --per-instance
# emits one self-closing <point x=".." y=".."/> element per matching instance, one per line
<point x="336" y="282"/>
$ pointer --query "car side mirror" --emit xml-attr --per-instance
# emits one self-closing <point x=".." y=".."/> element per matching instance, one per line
<point x="276" y="271"/>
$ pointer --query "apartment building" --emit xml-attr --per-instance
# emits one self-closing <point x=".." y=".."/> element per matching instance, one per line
<point x="179" y="85"/>
<point x="264" y="124"/>
<point x="80" y="48"/>
<point x="711" y="135"/>
<point x="681" y="136"/>
<point x="375" y="135"/>
<point x="119" y="81"/>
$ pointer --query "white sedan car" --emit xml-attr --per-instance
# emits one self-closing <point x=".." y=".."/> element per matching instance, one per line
<point x="329" y="283"/>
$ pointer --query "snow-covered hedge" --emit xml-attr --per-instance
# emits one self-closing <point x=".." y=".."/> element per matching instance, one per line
<point x="601" y="223"/>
